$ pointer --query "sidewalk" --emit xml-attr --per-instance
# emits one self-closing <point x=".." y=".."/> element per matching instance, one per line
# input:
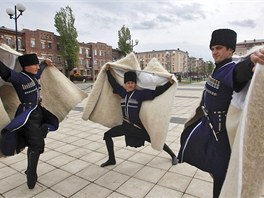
<point x="70" y="166"/>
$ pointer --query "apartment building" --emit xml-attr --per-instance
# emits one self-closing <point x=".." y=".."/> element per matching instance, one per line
<point x="45" y="44"/>
<point x="244" y="46"/>
<point x="173" y="60"/>
<point x="8" y="36"/>
<point x="92" y="56"/>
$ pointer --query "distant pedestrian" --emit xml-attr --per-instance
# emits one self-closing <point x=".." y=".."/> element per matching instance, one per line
<point x="32" y="121"/>
<point x="132" y="127"/>
<point x="204" y="141"/>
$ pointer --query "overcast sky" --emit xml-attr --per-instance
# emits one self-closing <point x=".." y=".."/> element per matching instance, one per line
<point x="159" y="25"/>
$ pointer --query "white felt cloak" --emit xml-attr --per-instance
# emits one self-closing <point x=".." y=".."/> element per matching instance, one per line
<point x="245" y="175"/>
<point x="103" y="106"/>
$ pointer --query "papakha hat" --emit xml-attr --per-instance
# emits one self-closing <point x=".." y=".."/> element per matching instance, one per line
<point x="130" y="76"/>
<point x="225" y="37"/>
<point x="28" y="59"/>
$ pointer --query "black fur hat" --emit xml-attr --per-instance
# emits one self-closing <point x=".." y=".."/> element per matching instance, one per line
<point x="28" y="59"/>
<point x="225" y="37"/>
<point x="130" y="76"/>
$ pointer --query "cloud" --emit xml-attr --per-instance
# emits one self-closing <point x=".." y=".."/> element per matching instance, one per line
<point x="158" y="24"/>
<point x="145" y="25"/>
<point x="101" y="21"/>
<point x="158" y="16"/>
<point x="138" y="15"/>
<point x="192" y="11"/>
<point x="245" y="23"/>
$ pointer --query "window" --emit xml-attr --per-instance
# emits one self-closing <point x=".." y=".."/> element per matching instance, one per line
<point x="42" y="44"/>
<point x="32" y="43"/>
<point x="95" y="52"/>
<point x="87" y="63"/>
<point x="19" y="43"/>
<point x="8" y="40"/>
<point x="80" y="50"/>
<point x="49" y="45"/>
<point x="81" y="62"/>
<point x="59" y="59"/>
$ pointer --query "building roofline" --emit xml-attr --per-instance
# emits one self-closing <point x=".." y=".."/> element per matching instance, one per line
<point x="166" y="50"/>
<point x="251" y="41"/>
<point x="5" y="29"/>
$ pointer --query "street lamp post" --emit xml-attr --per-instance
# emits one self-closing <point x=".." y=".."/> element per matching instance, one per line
<point x="130" y="42"/>
<point x="21" y="8"/>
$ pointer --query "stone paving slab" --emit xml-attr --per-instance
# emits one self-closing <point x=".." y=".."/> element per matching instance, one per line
<point x="70" y="166"/>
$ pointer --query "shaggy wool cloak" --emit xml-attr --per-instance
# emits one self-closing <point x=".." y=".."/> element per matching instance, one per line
<point x="245" y="175"/>
<point x="103" y="106"/>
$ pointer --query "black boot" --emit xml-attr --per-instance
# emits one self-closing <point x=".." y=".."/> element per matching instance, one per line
<point x="33" y="157"/>
<point x="111" y="154"/>
<point x="26" y="171"/>
<point x="174" y="159"/>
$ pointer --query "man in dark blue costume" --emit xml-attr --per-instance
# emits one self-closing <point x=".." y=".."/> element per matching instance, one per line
<point x="132" y="127"/>
<point x="204" y="141"/>
<point x="32" y="121"/>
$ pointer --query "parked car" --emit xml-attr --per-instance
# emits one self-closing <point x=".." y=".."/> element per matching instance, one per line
<point x="78" y="77"/>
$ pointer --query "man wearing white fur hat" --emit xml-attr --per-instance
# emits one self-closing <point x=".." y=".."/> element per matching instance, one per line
<point x="204" y="141"/>
<point x="132" y="127"/>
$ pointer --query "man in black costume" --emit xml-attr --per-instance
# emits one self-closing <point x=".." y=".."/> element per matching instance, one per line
<point x="32" y="121"/>
<point x="132" y="127"/>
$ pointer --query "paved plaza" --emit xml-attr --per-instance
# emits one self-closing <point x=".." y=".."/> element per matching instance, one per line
<point x="70" y="166"/>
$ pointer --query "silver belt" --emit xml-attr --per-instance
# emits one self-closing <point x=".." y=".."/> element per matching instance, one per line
<point x="209" y="122"/>
<point x="128" y="121"/>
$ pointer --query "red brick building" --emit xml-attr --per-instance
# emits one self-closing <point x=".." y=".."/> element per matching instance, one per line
<point x="8" y="36"/>
<point x="92" y="56"/>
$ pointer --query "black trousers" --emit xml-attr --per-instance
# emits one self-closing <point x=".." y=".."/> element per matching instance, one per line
<point x="129" y="130"/>
<point x="31" y="132"/>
